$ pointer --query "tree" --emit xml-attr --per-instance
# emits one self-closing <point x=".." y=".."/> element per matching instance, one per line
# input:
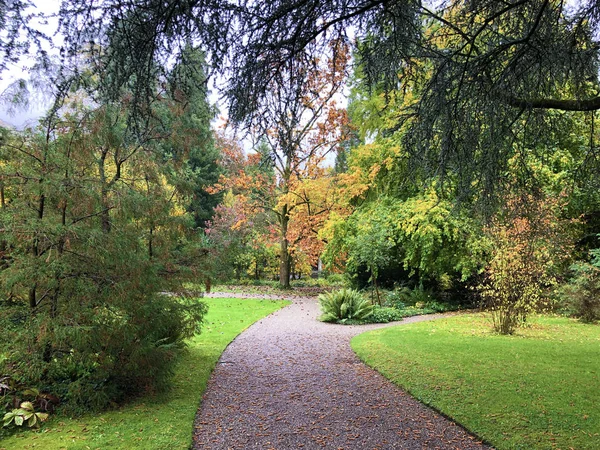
<point x="422" y="234"/>
<point x="300" y="125"/>
<point x="477" y="67"/>
<point x="18" y="32"/>
<point x="583" y="290"/>
<point x="241" y="232"/>
<point x="190" y="144"/>
<point x="95" y="233"/>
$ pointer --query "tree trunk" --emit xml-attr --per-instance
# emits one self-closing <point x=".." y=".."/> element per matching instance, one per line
<point x="284" y="265"/>
<point x="104" y="188"/>
<point x="377" y="290"/>
<point x="3" y="245"/>
<point x="32" y="296"/>
<point x="150" y="243"/>
<point x="105" y="214"/>
<point x="284" y="254"/>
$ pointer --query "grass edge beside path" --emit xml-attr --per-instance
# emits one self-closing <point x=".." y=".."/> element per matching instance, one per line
<point x="164" y="421"/>
<point x="535" y="390"/>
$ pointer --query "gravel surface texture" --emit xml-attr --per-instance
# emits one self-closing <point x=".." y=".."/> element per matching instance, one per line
<point x="291" y="382"/>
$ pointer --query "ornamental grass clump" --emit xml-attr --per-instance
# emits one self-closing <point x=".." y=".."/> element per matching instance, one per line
<point x="344" y="306"/>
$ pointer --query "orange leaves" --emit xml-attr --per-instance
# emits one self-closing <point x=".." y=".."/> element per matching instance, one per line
<point x="531" y="242"/>
<point x="311" y="205"/>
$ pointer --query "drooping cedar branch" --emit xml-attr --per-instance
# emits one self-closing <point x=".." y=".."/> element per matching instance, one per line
<point x="591" y="104"/>
<point x="471" y="67"/>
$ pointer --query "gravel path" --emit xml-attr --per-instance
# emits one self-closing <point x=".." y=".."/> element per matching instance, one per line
<point x="290" y="382"/>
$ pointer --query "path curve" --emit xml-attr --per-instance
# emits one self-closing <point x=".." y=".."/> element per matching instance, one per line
<point x="290" y="381"/>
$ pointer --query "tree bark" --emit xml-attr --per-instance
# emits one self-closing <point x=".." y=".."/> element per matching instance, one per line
<point x="284" y="255"/>
<point x="32" y="296"/>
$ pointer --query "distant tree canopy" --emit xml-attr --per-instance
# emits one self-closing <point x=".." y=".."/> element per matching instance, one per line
<point x="469" y="72"/>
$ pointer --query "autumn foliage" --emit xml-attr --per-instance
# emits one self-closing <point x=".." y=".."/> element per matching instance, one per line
<point x="531" y="245"/>
<point x="283" y="183"/>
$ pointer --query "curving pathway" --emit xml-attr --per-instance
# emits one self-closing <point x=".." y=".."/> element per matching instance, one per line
<point x="292" y="382"/>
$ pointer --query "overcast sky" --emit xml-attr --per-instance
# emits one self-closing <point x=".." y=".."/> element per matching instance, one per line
<point x="20" y="70"/>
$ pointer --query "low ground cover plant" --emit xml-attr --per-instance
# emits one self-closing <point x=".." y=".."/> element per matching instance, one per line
<point x="340" y="306"/>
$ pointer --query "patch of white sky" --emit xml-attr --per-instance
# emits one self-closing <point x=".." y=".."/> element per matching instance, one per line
<point x="23" y="116"/>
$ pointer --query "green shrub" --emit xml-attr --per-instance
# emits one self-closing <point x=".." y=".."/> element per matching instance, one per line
<point x="582" y="294"/>
<point x="405" y="296"/>
<point x="114" y="353"/>
<point x="396" y="299"/>
<point x="309" y="282"/>
<point x="343" y="306"/>
<point x="438" y="307"/>
<point x="419" y="295"/>
<point x="410" y="311"/>
<point x="337" y="279"/>
<point x="385" y="314"/>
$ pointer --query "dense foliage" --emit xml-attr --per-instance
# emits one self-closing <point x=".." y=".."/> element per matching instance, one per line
<point x="583" y="291"/>
<point x="96" y="241"/>
<point x="422" y="233"/>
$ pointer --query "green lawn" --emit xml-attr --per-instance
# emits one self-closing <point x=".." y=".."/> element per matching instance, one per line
<point x="539" y="389"/>
<point x="164" y="421"/>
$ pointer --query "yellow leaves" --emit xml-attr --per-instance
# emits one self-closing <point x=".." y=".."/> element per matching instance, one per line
<point x="228" y="199"/>
<point x="239" y="224"/>
<point x="530" y="243"/>
<point x="350" y="186"/>
<point x="374" y="171"/>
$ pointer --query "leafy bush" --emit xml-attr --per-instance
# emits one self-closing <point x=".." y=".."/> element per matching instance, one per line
<point x="309" y="282"/>
<point x="344" y="305"/>
<point x="23" y="406"/>
<point x="531" y="243"/>
<point x="396" y="298"/>
<point x="437" y="307"/>
<point x="404" y="296"/>
<point x="583" y="291"/>
<point x="125" y="350"/>
<point x="338" y="279"/>
<point x="424" y="234"/>
<point x="384" y="314"/>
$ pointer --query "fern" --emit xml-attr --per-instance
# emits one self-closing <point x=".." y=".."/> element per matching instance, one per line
<point x="344" y="305"/>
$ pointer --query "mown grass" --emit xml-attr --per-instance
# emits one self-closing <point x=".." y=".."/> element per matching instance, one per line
<point x="538" y="389"/>
<point x="162" y="421"/>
